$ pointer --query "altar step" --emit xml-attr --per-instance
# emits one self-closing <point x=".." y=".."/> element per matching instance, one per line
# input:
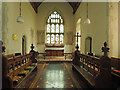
<point x="54" y="58"/>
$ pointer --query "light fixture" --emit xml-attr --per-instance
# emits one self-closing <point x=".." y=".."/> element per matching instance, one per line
<point x="87" y="21"/>
<point x="20" y="19"/>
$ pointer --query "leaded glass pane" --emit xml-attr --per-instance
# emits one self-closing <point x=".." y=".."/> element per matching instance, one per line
<point x="48" y="28"/>
<point x="61" y="38"/>
<point x="57" y="39"/>
<point x="57" y="28"/>
<point x="61" y="28"/>
<point x="56" y="16"/>
<point x="52" y="38"/>
<point x="56" y="21"/>
<point x="55" y="12"/>
<point x="61" y="20"/>
<point x="48" y="38"/>
<point x="55" y="25"/>
<point x="53" y="15"/>
<point x="52" y="28"/>
<point x="48" y="20"/>
<point x="53" y="20"/>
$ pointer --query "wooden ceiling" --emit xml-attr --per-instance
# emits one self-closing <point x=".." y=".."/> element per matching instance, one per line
<point x="74" y="5"/>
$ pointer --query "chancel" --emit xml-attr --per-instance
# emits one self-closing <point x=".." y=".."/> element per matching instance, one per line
<point x="54" y="48"/>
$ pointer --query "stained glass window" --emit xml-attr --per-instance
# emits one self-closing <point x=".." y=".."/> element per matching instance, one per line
<point x="48" y="38"/>
<point x="52" y="38"/>
<point x="57" y="39"/>
<point x="55" y="28"/>
<point x="61" y="38"/>
<point x="61" y="28"/>
<point x="52" y="28"/>
<point x="61" y="20"/>
<point x="48" y="28"/>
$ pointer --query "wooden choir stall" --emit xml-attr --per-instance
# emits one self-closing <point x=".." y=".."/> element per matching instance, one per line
<point x="98" y="72"/>
<point x="16" y="68"/>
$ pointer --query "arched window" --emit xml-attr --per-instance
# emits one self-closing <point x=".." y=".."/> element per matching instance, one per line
<point x="55" y="29"/>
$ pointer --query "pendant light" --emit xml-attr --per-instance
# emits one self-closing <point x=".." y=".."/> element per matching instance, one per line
<point x="20" y="19"/>
<point x="87" y="21"/>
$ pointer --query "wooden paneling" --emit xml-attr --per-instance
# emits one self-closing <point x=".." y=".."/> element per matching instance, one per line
<point x="54" y="52"/>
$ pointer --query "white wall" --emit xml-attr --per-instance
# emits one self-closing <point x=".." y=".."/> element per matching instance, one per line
<point x="97" y="12"/>
<point x="98" y="29"/>
<point x="78" y="30"/>
<point x="119" y="29"/>
<point x="65" y="11"/>
<point x="113" y="29"/>
<point x="0" y="20"/>
<point x="10" y="26"/>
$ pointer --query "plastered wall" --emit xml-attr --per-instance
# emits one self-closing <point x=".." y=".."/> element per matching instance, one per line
<point x="113" y="29"/>
<point x="10" y="26"/>
<point x="98" y="29"/>
<point x="119" y="29"/>
<point x="104" y="25"/>
<point x="65" y="10"/>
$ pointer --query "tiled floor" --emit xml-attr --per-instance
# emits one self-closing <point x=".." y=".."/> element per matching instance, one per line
<point x="53" y="75"/>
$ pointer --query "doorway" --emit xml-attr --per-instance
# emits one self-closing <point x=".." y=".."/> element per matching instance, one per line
<point x="23" y="45"/>
<point x="88" y="46"/>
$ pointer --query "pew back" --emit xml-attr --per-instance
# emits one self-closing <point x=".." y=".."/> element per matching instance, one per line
<point x="17" y="64"/>
<point x="90" y="63"/>
<point x="115" y="62"/>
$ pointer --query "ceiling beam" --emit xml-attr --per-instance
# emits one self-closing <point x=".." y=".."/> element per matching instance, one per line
<point x="74" y="5"/>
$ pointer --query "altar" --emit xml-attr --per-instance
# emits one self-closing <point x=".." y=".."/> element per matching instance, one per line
<point x="54" y="50"/>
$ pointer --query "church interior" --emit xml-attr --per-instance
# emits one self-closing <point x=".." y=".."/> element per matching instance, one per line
<point x="60" y="45"/>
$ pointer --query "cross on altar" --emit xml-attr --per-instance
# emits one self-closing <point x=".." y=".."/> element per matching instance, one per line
<point x="77" y="40"/>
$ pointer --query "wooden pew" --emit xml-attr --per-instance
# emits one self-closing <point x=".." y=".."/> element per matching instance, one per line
<point x="66" y="54"/>
<point x="6" y="80"/>
<point x="89" y="68"/>
<point x="15" y="64"/>
<point x="18" y="64"/>
<point x="115" y="65"/>
<point x="115" y="62"/>
<point x="96" y="71"/>
<point x="44" y="54"/>
<point x="10" y="56"/>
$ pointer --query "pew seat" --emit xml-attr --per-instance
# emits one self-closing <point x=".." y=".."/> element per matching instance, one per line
<point x="25" y="73"/>
<point x="19" y="67"/>
<point x="115" y="72"/>
<point x="85" y="74"/>
<point x="17" y="79"/>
